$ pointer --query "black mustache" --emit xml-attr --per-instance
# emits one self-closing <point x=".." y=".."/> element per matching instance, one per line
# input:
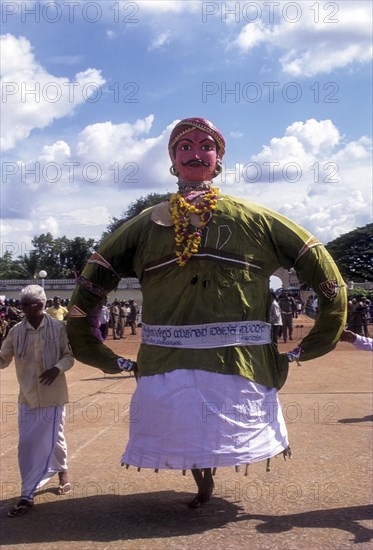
<point x="196" y="161"/>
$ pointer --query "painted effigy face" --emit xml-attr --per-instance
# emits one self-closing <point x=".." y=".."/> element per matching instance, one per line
<point x="195" y="156"/>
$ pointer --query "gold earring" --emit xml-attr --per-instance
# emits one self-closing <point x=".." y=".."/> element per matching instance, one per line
<point x="173" y="170"/>
<point x="218" y="168"/>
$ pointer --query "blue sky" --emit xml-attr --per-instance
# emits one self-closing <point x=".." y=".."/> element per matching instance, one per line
<point x="91" y="90"/>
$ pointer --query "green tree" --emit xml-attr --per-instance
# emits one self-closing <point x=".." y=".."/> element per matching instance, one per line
<point x="353" y="253"/>
<point x="48" y="251"/>
<point x="135" y="208"/>
<point x="62" y="258"/>
<point x="78" y="253"/>
<point x="8" y="267"/>
<point x="28" y="266"/>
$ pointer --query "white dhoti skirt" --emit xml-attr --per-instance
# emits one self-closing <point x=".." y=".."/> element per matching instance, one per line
<point x="42" y="450"/>
<point x="188" y="419"/>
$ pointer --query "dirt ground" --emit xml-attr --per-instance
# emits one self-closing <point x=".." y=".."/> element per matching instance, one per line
<point x="319" y="500"/>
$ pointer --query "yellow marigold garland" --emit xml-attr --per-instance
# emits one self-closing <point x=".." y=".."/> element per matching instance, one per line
<point x="187" y="238"/>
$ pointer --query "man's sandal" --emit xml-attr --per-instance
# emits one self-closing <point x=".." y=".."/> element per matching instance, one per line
<point x="20" y="508"/>
<point x="63" y="489"/>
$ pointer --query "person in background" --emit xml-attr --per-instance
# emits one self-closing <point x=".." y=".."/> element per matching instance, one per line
<point x="132" y="316"/>
<point x="57" y="311"/>
<point x="3" y="327"/>
<point x="365" y="315"/>
<point x="104" y="321"/>
<point x="13" y="313"/>
<point x="275" y="318"/>
<point x="299" y="306"/>
<point x="315" y="307"/>
<point x="288" y="309"/>
<point x="356" y="312"/>
<point x="114" y="318"/>
<point x="122" y="320"/>
<point x="42" y="355"/>
<point x="370" y="310"/>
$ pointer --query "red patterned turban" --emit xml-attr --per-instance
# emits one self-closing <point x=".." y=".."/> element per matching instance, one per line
<point x="188" y="125"/>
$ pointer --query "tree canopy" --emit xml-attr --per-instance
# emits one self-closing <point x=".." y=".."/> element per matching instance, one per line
<point x="61" y="258"/>
<point x="353" y="253"/>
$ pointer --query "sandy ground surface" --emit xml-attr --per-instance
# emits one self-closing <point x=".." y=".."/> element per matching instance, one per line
<point x="319" y="500"/>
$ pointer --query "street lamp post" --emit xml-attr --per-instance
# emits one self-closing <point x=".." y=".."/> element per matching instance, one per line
<point x="42" y="275"/>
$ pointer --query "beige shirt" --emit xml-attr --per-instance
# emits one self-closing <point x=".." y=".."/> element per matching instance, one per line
<point x="31" y="363"/>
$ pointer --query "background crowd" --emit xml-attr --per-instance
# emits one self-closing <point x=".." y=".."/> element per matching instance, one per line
<point x="115" y="316"/>
<point x="123" y="314"/>
<point x="288" y="306"/>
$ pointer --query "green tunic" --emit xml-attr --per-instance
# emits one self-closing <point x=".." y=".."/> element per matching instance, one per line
<point x="227" y="281"/>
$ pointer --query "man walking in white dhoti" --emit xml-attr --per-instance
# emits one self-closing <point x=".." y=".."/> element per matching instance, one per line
<point x="42" y="355"/>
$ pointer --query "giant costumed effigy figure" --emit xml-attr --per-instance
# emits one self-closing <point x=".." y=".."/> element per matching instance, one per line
<point x="208" y="372"/>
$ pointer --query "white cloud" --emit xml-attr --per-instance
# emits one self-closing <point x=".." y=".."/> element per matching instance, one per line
<point x="83" y="216"/>
<point x="302" y="143"/>
<point x="56" y="191"/>
<point x="314" y="135"/>
<point x="328" y="217"/>
<point x="318" y="41"/>
<point x="356" y="151"/>
<point x="161" y="40"/>
<point x="57" y="152"/>
<point x="49" y="225"/>
<point x="32" y="97"/>
<point x="167" y="6"/>
<point x="120" y="150"/>
<point x="310" y="176"/>
<point x="17" y="242"/>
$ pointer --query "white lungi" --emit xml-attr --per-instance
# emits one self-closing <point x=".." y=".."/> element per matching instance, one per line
<point x="188" y="419"/>
<point x="42" y="450"/>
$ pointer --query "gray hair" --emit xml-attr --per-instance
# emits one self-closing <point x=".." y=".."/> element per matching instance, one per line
<point x="34" y="292"/>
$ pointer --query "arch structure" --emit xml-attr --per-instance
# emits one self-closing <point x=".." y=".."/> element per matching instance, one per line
<point x="289" y="278"/>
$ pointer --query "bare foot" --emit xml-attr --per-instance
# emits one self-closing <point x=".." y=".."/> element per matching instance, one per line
<point x="205" y="485"/>
<point x="64" y="486"/>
